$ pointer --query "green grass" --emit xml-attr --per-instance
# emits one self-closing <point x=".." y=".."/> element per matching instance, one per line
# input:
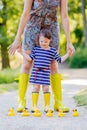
<point x="81" y="98"/>
<point x="8" y="75"/>
<point x="8" y="87"/>
<point x="7" y="80"/>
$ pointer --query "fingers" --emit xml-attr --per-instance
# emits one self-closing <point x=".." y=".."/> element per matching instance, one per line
<point x="72" y="51"/>
<point x="71" y="48"/>
<point x="19" y="50"/>
<point x="11" y="50"/>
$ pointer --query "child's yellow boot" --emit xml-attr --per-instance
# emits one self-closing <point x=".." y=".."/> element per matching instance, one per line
<point x="35" y="96"/>
<point x="46" y="101"/>
<point x="57" y="91"/>
<point x="47" y="109"/>
<point x="25" y="112"/>
<point x="22" y="87"/>
<point x="35" y="110"/>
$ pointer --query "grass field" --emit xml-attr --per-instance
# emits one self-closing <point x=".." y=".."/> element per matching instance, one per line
<point x="81" y="98"/>
<point x="8" y="75"/>
<point x="7" y="79"/>
<point x="8" y="87"/>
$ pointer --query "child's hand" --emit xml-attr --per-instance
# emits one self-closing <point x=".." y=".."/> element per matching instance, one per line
<point x="25" y="56"/>
<point x="20" y="50"/>
<point x="71" y="48"/>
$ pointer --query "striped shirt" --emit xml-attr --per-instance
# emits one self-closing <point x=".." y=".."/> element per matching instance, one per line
<point x="42" y="61"/>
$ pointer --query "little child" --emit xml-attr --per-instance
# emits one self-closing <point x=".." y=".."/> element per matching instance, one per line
<point x="42" y="56"/>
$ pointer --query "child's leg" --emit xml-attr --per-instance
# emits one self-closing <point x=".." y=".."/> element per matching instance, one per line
<point x="46" y="98"/>
<point x="35" y="96"/>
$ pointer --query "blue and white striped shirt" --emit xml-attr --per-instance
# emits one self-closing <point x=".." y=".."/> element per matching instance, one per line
<point x="42" y="58"/>
<point x="42" y="61"/>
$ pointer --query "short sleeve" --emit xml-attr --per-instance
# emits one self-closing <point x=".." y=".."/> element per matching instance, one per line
<point x="32" y="55"/>
<point x="57" y="57"/>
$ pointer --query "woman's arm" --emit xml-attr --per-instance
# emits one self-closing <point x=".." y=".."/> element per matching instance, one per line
<point x="65" y="23"/>
<point x="24" y="17"/>
<point x="23" y="20"/>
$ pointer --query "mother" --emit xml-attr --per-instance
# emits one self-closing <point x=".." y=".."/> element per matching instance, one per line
<point x="38" y="14"/>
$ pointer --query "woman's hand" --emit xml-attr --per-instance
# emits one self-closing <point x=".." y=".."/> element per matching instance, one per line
<point x="14" y="46"/>
<point x="71" y="49"/>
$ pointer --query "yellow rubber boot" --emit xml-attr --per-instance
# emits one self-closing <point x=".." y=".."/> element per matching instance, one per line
<point x="35" y="96"/>
<point x="57" y="91"/>
<point x="22" y="87"/>
<point x="46" y="101"/>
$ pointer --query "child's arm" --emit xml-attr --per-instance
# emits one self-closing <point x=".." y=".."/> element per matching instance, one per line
<point x="60" y="59"/>
<point x="26" y="56"/>
<point x="63" y="58"/>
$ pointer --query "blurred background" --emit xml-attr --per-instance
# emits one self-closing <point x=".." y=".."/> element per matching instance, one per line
<point x="10" y="12"/>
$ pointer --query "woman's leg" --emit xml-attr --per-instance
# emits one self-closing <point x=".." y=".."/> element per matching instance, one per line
<point x="23" y="82"/>
<point x="35" y="96"/>
<point x="56" y="87"/>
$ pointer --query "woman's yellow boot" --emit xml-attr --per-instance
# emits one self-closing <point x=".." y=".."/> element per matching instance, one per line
<point x="22" y="87"/>
<point x="57" y="92"/>
<point x="35" y="96"/>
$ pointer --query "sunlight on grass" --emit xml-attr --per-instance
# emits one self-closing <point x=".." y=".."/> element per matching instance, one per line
<point x="8" y="87"/>
<point x="8" y="75"/>
<point x="81" y="98"/>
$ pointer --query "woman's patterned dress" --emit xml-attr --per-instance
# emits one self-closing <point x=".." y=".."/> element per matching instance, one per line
<point x="43" y="15"/>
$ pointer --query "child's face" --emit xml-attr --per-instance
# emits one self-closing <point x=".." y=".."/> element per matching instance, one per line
<point x="44" y="42"/>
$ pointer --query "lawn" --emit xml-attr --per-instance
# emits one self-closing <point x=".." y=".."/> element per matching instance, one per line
<point x="7" y="79"/>
<point x="81" y="98"/>
<point x="8" y="87"/>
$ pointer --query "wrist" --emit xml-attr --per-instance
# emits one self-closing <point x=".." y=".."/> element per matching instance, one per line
<point x="68" y="45"/>
<point x="18" y="38"/>
<point x="67" y="54"/>
<point x="69" y="41"/>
